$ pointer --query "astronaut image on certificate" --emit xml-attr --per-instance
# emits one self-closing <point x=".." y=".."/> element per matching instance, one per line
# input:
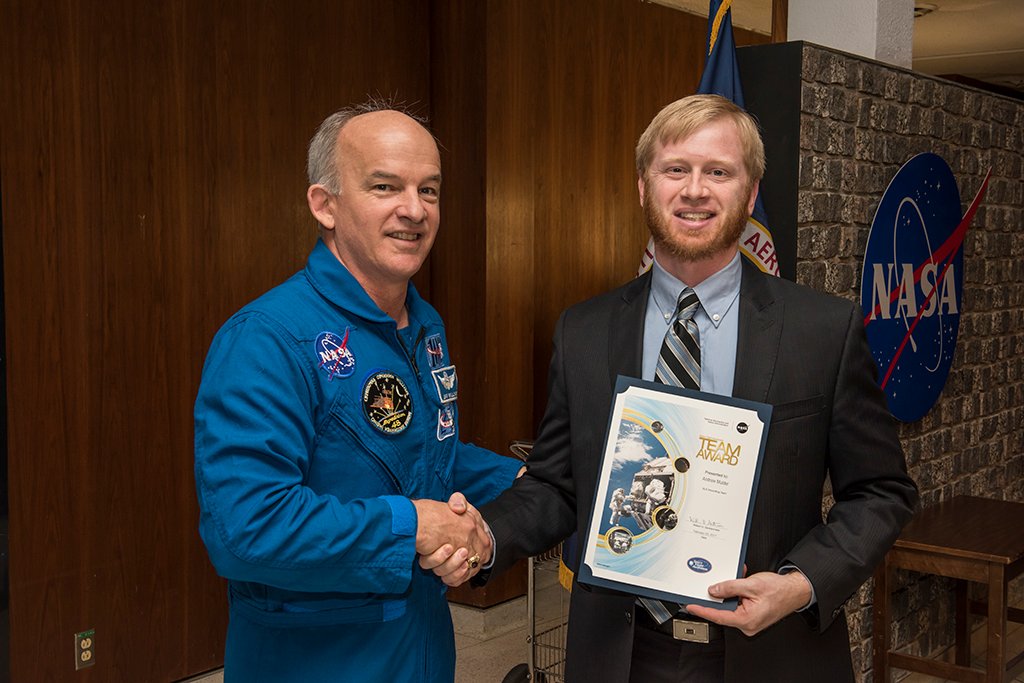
<point x="677" y="484"/>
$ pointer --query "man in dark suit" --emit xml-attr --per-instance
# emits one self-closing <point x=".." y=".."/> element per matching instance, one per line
<point x="760" y="338"/>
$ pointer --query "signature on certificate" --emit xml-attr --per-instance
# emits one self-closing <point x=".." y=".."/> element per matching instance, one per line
<point x="707" y="525"/>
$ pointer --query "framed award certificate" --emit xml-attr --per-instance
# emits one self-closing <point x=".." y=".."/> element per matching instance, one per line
<point x="675" y="492"/>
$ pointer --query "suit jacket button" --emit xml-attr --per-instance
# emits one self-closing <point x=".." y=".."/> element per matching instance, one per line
<point x="629" y="617"/>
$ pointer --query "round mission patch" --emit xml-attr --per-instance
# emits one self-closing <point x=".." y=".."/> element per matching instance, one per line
<point x="386" y="402"/>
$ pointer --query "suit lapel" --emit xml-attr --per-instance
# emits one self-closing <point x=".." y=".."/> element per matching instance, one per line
<point x="760" y="330"/>
<point x="626" y="330"/>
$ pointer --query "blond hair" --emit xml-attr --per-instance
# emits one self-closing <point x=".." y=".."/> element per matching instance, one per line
<point x="687" y="115"/>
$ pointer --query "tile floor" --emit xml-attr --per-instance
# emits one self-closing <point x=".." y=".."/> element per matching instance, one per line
<point x="1014" y="644"/>
<point x="490" y="658"/>
<point x="488" y="648"/>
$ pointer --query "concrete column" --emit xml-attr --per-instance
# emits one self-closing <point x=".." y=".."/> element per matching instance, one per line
<point x="879" y="29"/>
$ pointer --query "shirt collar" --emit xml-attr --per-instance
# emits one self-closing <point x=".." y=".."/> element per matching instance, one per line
<point x="716" y="293"/>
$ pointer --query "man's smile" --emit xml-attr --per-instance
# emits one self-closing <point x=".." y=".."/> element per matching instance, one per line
<point x="694" y="215"/>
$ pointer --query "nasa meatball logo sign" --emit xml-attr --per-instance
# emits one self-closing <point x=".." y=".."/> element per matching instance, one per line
<point x="912" y="283"/>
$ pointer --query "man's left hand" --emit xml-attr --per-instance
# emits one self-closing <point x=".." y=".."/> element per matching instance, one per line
<point x="764" y="598"/>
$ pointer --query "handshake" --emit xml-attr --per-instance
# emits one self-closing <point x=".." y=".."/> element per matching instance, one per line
<point x="452" y="539"/>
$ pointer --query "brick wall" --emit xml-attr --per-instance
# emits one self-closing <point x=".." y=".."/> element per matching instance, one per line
<point x="859" y="122"/>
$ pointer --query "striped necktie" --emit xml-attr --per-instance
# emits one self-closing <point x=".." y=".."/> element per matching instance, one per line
<point x="678" y="365"/>
<point x="679" y="358"/>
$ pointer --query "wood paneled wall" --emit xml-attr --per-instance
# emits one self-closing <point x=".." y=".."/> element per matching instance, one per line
<point x="539" y="106"/>
<point x="152" y="168"/>
<point x="557" y="93"/>
<point x="153" y="174"/>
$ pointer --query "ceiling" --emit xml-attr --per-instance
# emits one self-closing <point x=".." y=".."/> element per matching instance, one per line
<point x="972" y="40"/>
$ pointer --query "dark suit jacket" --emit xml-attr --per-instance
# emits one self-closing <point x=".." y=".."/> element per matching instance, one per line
<point x="801" y="351"/>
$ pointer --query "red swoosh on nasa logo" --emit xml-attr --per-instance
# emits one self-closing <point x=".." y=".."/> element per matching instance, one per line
<point x="947" y="251"/>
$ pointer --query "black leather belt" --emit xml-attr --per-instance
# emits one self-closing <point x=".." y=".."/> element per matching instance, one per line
<point x="684" y="627"/>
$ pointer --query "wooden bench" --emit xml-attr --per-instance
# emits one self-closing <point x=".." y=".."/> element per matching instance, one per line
<point x="967" y="539"/>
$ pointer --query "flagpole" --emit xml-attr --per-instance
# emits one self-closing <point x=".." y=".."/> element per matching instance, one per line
<point x="780" y="20"/>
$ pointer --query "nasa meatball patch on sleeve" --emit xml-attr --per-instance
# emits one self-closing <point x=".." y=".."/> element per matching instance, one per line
<point x="333" y="355"/>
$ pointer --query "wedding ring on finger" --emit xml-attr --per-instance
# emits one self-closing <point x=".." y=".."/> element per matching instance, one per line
<point x="473" y="561"/>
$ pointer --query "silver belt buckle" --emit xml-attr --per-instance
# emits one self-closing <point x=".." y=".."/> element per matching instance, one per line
<point x="690" y="631"/>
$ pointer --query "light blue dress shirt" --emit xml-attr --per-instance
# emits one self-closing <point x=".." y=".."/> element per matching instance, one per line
<point x="717" y="320"/>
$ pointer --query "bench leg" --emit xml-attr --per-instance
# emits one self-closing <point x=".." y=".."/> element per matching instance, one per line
<point x="996" y="656"/>
<point x="963" y="625"/>
<point x="880" y="621"/>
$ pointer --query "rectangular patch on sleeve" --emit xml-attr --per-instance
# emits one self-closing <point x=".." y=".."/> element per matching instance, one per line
<point x="447" y="383"/>
<point x="445" y="421"/>
<point x="435" y="351"/>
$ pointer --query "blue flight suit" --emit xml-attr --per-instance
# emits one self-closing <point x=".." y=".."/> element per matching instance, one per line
<point x="317" y="421"/>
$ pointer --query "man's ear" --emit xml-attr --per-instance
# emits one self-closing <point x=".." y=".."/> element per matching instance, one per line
<point x="753" y="196"/>
<point x="640" y="188"/>
<point x="319" y="200"/>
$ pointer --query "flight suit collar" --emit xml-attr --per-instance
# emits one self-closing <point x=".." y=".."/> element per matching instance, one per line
<point x="335" y="283"/>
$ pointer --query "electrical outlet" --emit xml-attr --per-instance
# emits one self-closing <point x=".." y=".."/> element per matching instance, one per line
<point x="85" y="653"/>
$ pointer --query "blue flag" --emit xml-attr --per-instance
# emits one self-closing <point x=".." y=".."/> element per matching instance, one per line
<point x="722" y="77"/>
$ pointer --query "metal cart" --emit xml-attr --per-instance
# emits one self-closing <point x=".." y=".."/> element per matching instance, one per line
<point x="545" y="634"/>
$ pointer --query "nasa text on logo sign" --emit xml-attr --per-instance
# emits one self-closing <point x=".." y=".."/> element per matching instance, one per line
<point x="912" y="283"/>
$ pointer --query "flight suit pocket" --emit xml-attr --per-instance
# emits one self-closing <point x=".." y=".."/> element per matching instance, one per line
<point x="359" y="462"/>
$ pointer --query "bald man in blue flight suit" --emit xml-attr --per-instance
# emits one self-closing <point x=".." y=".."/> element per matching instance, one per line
<point x="327" y="454"/>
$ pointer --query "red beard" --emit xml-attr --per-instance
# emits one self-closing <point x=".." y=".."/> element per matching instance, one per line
<point x="730" y="228"/>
